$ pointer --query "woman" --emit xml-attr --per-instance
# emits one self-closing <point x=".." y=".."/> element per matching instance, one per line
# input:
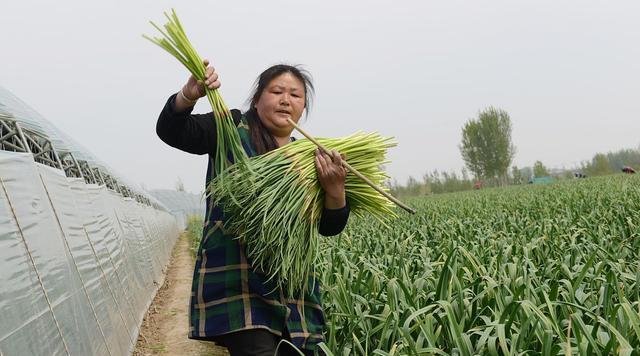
<point x="231" y="303"/>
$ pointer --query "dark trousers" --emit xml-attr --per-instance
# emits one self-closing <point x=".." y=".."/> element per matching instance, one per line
<point x="256" y="342"/>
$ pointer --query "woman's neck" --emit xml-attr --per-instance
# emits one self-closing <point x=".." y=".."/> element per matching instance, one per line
<point x="282" y="140"/>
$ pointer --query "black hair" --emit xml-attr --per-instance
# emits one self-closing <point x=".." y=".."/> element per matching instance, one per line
<point x="263" y="140"/>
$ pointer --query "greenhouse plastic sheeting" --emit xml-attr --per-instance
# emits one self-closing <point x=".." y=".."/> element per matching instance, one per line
<point x="181" y="204"/>
<point x="32" y="120"/>
<point x="79" y="264"/>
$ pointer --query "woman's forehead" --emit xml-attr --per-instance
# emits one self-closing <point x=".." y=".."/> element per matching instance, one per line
<point x="286" y="80"/>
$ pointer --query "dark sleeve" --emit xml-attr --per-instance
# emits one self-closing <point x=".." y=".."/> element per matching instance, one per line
<point x="333" y="221"/>
<point x="185" y="131"/>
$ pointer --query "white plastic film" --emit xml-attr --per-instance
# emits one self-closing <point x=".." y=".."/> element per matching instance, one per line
<point x="98" y="231"/>
<point x="79" y="264"/>
<point x="64" y="207"/>
<point x="24" y="309"/>
<point x="43" y="242"/>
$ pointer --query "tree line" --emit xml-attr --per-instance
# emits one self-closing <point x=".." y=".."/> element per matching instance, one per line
<point x="487" y="150"/>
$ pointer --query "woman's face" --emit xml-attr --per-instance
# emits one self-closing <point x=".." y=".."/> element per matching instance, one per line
<point x="283" y="98"/>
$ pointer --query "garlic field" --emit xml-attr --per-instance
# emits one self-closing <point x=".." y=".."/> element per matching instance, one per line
<point x="544" y="269"/>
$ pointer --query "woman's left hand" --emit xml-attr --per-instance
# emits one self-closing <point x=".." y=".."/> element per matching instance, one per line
<point x="331" y="175"/>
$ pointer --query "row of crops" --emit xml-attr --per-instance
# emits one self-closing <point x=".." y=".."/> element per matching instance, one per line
<point x="524" y="270"/>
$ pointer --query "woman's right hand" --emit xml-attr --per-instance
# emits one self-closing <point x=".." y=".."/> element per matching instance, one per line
<point x="195" y="89"/>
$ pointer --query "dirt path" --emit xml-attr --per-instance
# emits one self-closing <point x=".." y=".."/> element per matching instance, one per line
<point x="165" y="327"/>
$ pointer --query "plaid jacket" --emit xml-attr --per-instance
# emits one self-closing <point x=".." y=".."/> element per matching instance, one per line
<point x="227" y="294"/>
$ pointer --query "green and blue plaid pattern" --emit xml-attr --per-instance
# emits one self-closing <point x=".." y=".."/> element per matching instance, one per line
<point x="229" y="295"/>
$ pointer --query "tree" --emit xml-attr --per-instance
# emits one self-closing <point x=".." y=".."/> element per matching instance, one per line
<point x="465" y="175"/>
<point x="516" y="175"/>
<point x="622" y="158"/>
<point x="599" y="165"/>
<point x="486" y="146"/>
<point x="539" y="170"/>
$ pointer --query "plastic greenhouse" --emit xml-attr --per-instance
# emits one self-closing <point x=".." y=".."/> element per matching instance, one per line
<point x="82" y="250"/>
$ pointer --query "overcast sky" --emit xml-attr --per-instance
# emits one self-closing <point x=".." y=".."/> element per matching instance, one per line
<point x="568" y="73"/>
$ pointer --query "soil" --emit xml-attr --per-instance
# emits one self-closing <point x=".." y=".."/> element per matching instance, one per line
<point x="166" y="325"/>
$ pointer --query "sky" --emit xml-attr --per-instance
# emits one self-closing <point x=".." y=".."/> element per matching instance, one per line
<point x="567" y="72"/>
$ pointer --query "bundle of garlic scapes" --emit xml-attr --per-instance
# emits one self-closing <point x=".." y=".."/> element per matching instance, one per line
<point x="275" y="208"/>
